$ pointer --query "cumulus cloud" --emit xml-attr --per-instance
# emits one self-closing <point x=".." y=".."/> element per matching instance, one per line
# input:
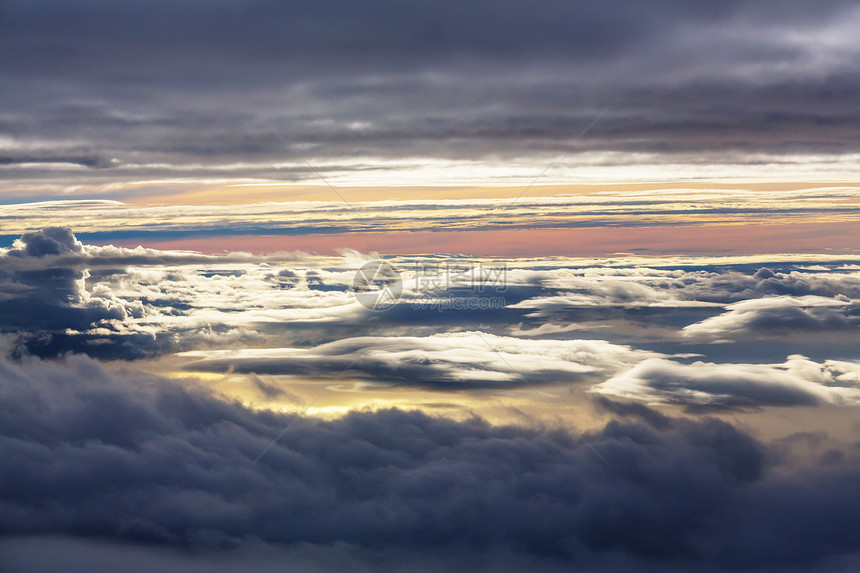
<point x="47" y="296"/>
<point x="48" y="241"/>
<point x="141" y="459"/>
<point x="797" y="382"/>
<point x="58" y="294"/>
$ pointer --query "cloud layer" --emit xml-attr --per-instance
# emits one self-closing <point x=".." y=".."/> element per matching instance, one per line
<point x="625" y="328"/>
<point x="137" y="458"/>
<point x="146" y="93"/>
<point x="656" y="207"/>
<point x="459" y="360"/>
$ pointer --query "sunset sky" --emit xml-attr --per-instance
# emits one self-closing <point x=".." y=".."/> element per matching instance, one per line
<point x="450" y="286"/>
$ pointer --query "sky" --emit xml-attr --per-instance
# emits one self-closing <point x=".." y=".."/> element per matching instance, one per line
<point x="405" y="286"/>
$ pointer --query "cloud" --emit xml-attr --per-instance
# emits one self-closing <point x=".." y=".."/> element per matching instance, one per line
<point x="797" y="382"/>
<point x="44" y="296"/>
<point x="702" y="283"/>
<point x="140" y="459"/>
<point x="743" y="83"/>
<point x="59" y="294"/>
<point x="48" y="241"/>
<point x="700" y="303"/>
<point x="779" y="316"/>
<point x="619" y="207"/>
<point x="461" y="360"/>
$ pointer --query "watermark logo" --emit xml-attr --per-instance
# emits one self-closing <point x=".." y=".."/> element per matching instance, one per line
<point x="463" y="303"/>
<point x="448" y="276"/>
<point x="441" y="286"/>
<point x="377" y="285"/>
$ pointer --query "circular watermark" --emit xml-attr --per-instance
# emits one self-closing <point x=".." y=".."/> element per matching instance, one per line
<point x="377" y="285"/>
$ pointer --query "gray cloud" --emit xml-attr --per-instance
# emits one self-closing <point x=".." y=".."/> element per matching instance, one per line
<point x="161" y="90"/>
<point x="140" y="459"/>
<point x="48" y="241"/>
<point x="46" y="296"/>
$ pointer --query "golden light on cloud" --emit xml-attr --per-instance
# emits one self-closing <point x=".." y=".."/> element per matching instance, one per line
<point x="225" y="193"/>
<point x="568" y="220"/>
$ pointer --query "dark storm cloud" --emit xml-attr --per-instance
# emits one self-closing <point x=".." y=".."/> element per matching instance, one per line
<point x="139" y="459"/>
<point x="158" y="87"/>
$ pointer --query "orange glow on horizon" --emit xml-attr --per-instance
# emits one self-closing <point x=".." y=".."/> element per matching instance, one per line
<point x="820" y="237"/>
<point x="240" y="194"/>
